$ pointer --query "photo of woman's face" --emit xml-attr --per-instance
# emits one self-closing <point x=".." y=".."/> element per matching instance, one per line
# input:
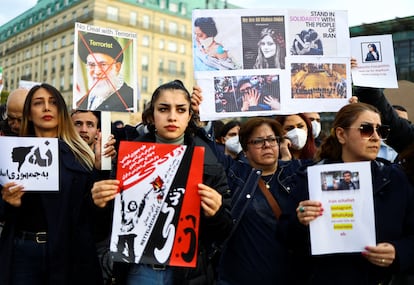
<point x="268" y="46"/>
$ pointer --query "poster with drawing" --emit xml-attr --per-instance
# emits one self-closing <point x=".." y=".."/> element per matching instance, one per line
<point x="375" y="61"/>
<point x="157" y="210"/>
<point x="105" y="69"/>
<point x="31" y="162"/>
<point x="259" y="44"/>
<point x="348" y="220"/>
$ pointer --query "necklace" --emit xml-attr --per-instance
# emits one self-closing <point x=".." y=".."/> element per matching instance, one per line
<point x="268" y="181"/>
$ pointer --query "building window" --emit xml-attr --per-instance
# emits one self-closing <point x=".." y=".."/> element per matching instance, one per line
<point x="162" y="26"/>
<point x="62" y="83"/>
<point x="172" y="46"/>
<point x="145" y="41"/>
<point x="46" y="47"/>
<point x="161" y="65"/>
<point x="173" y="7"/>
<point x="63" y="42"/>
<point x="172" y="67"/>
<point x="112" y="13"/>
<point x="162" y="4"/>
<point x="144" y="85"/>
<point x="183" y="30"/>
<point x="182" y="48"/>
<point x="133" y="18"/>
<point x="162" y="44"/>
<point x="144" y="62"/>
<point x="85" y="10"/>
<point x="55" y="45"/>
<point x="172" y="28"/>
<point x="146" y="22"/>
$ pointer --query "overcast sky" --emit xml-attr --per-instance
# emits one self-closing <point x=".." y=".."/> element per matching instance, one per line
<point x="359" y="11"/>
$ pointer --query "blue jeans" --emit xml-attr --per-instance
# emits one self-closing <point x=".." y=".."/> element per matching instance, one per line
<point x="142" y="274"/>
<point x="29" y="263"/>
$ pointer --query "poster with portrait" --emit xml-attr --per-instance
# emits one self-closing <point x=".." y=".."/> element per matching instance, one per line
<point x="348" y="221"/>
<point x="105" y="69"/>
<point x="31" y="162"/>
<point x="157" y="211"/>
<point x="264" y="47"/>
<point x="375" y="61"/>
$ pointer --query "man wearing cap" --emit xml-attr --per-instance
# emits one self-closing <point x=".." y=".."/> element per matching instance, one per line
<point x="107" y="91"/>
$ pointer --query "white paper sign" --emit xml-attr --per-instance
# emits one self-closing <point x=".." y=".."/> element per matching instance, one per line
<point x="259" y="58"/>
<point x="375" y="59"/>
<point x="32" y="162"/>
<point x="345" y="191"/>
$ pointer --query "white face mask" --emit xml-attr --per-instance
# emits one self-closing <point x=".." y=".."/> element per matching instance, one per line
<point x="316" y="128"/>
<point x="206" y="42"/>
<point x="297" y="137"/>
<point x="233" y="145"/>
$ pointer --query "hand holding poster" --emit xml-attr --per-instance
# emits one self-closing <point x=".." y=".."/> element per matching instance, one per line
<point x="156" y="213"/>
<point x="30" y="162"/>
<point x="345" y="191"/>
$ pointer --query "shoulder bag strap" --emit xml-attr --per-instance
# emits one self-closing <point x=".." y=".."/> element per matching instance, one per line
<point x="270" y="199"/>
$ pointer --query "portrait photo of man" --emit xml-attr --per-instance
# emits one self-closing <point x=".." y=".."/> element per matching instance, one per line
<point x="102" y="59"/>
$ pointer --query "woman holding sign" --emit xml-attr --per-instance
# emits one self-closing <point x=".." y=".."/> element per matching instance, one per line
<point x="47" y="237"/>
<point x="169" y="119"/>
<point x="356" y="136"/>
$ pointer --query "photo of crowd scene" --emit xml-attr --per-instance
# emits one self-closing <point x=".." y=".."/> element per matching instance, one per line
<point x="247" y="93"/>
<point x="324" y="80"/>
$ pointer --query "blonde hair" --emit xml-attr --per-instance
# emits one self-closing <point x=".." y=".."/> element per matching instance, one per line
<point x="65" y="129"/>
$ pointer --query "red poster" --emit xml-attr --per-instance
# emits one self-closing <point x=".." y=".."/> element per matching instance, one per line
<point x="157" y="211"/>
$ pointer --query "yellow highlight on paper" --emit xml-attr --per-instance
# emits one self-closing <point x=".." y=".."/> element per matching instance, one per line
<point x="341" y="207"/>
<point x="341" y="215"/>
<point x="340" y="227"/>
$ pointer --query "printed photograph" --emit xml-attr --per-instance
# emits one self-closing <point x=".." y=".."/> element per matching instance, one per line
<point x="247" y="93"/>
<point x="215" y="44"/>
<point x="322" y="80"/>
<point x="264" y="43"/>
<point x="371" y="52"/>
<point x="339" y="180"/>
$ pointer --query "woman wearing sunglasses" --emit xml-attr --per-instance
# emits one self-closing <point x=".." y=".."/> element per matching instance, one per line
<point x="356" y="136"/>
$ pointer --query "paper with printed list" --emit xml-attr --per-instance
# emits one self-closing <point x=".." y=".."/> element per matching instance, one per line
<point x="348" y="221"/>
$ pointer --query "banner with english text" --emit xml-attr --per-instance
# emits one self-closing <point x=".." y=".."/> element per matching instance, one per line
<point x="157" y="210"/>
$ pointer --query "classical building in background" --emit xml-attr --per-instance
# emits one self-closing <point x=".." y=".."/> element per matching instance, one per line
<point x="38" y="44"/>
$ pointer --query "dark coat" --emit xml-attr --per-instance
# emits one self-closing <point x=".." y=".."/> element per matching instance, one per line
<point x="71" y="251"/>
<point x="402" y="131"/>
<point x="258" y="230"/>
<point x="113" y="102"/>
<point x="394" y="223"/>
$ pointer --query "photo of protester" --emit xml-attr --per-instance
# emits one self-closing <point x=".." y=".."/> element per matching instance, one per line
<point x="247" y="93"/>
<point x="263" y="42"/>
<point x="339" y="180"/>
<point x="209" y="52"/>
<point x="373" y="53"/>
<point x="323" y="80"/>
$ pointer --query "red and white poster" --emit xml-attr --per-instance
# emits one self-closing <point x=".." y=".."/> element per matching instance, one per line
<point x="157" y="211"/>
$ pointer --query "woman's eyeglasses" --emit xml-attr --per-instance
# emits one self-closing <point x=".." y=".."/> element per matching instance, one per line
<point x="367" y="131"/>
<point x="261" y="142"/>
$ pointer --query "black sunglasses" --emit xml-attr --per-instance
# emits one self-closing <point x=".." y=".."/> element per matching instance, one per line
<point x="367" y="130"/>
